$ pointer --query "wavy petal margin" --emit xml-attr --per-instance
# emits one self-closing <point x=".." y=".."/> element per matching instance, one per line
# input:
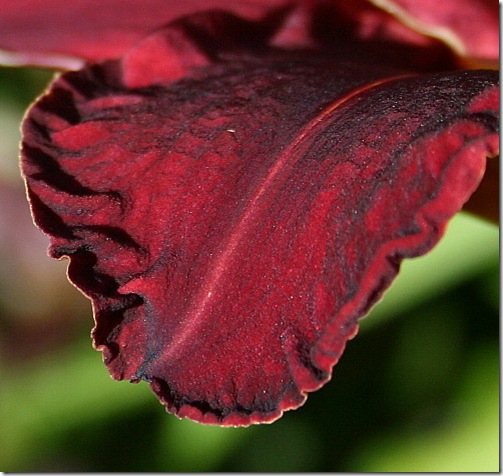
<point x="233" y="222"/>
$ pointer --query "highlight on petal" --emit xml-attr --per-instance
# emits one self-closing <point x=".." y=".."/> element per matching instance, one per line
<point x="468" y="27"/>
<point x="232" y="223"/>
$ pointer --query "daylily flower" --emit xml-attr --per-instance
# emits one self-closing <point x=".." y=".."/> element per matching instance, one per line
<point x="236" y="183"/>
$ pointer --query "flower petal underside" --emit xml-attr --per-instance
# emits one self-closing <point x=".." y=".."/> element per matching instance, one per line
<point x="233" y="212"/>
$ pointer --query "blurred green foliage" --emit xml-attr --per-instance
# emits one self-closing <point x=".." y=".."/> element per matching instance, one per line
<point x="417" y="389"/>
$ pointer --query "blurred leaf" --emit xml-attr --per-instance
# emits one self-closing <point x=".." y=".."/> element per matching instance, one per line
<point x="195" y="447"/>
<point x="288" y="445"/>
<point x="468" y="442"/>
<point x="54" y="393"/>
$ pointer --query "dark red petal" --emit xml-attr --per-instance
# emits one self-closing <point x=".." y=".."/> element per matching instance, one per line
<point x="62" y="33"/>
<point x="231" y="227"/>
<point x="485" y="201"/>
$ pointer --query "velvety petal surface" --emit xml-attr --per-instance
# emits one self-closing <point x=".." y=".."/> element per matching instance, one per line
<point x="232" y="214"/>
